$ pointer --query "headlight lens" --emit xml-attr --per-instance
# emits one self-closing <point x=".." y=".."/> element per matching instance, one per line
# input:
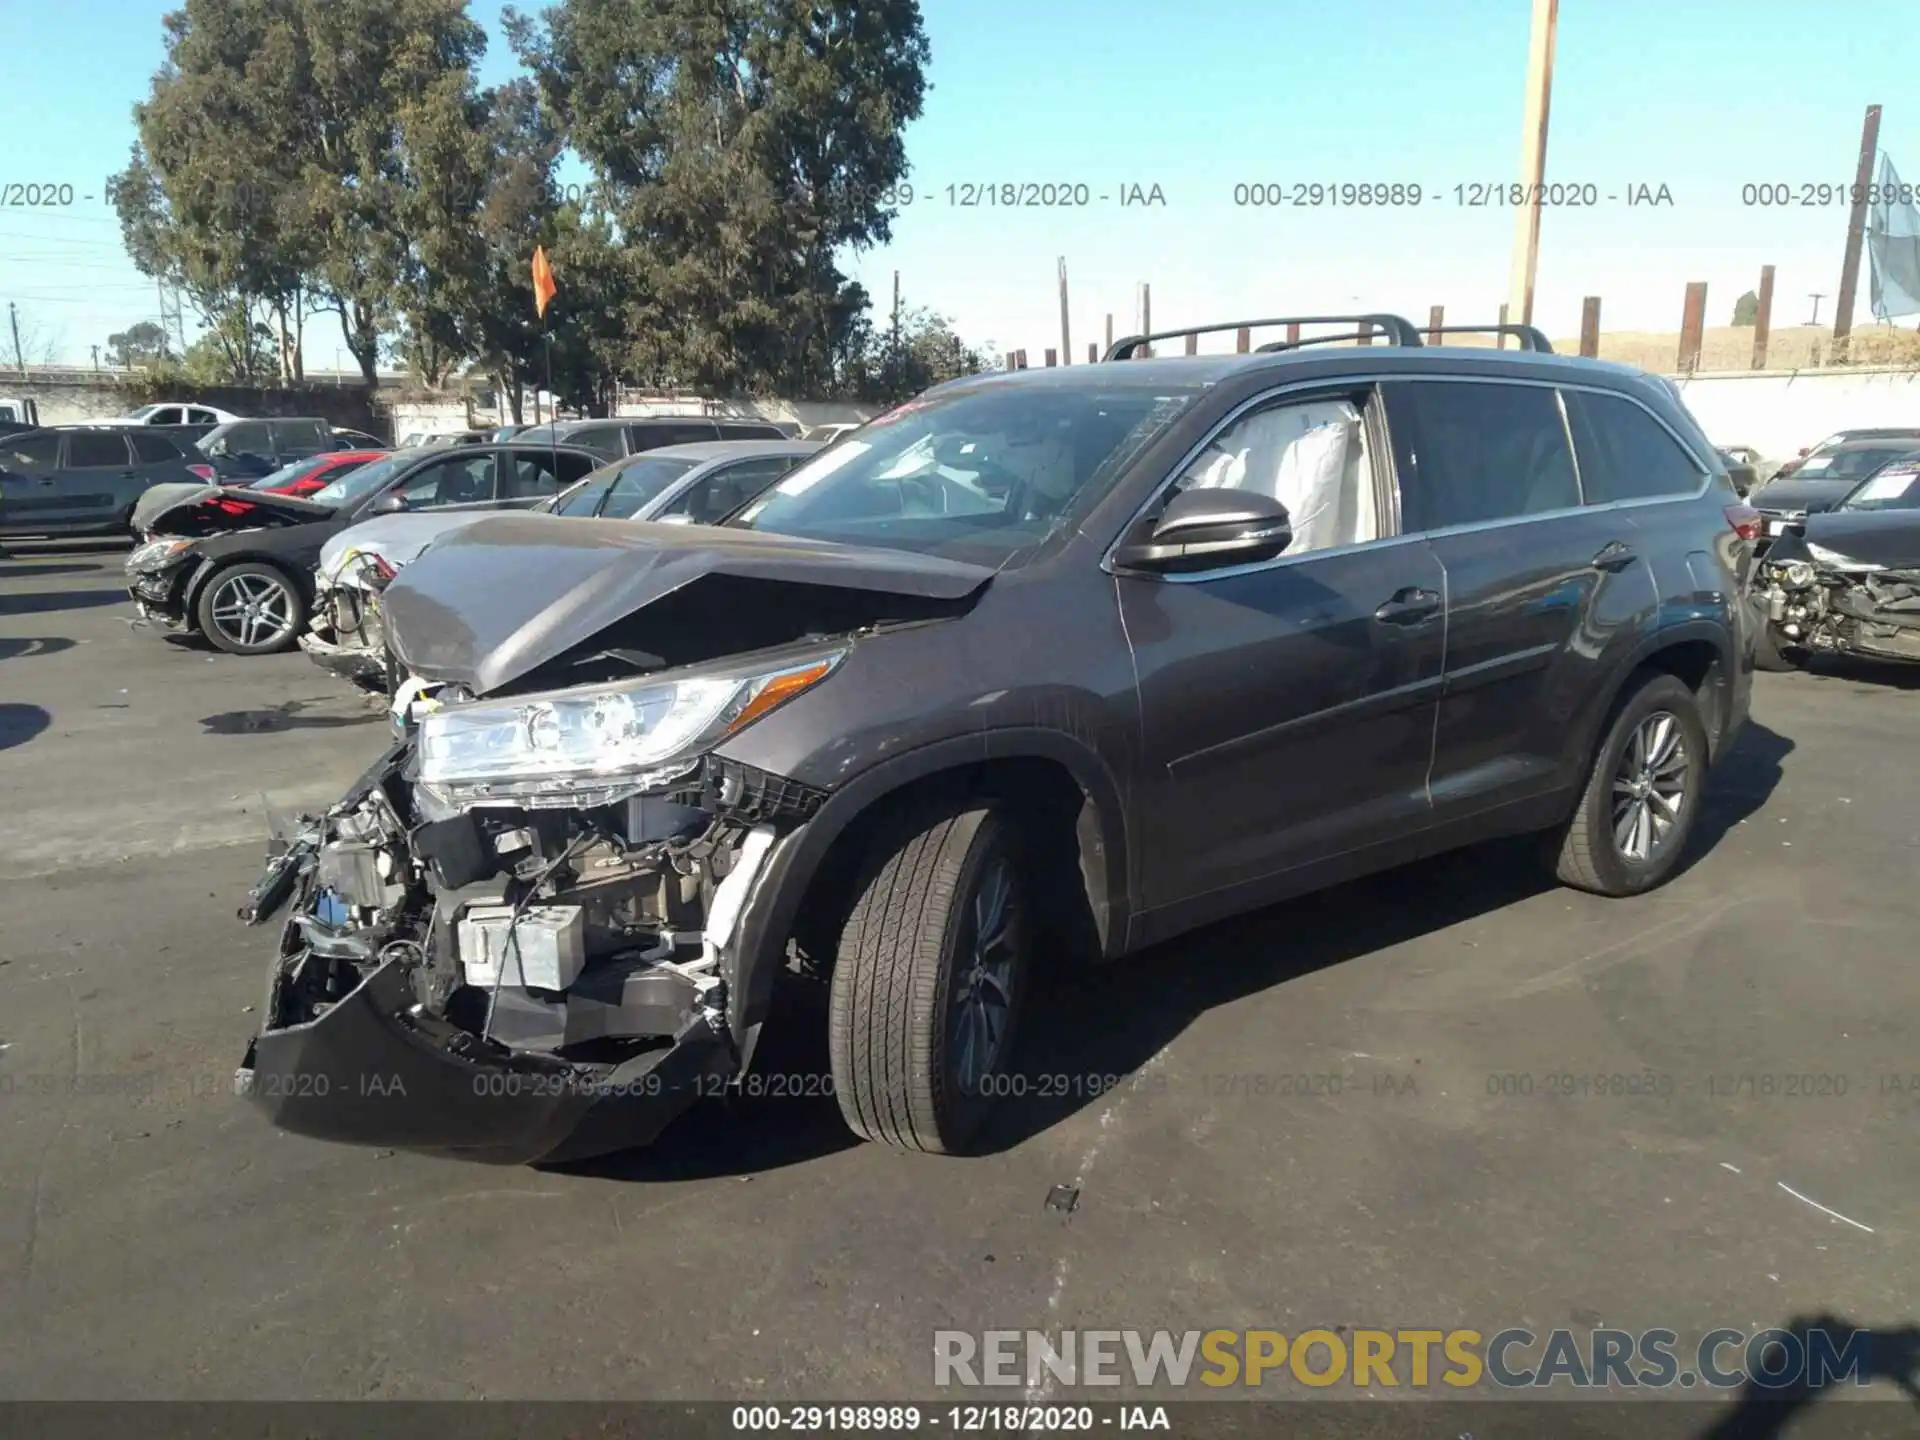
<point x="157" y="554"/>
<point x="1837" y="560"/>
<point x="627" y="737"/>
<point x="1796" y="574"/>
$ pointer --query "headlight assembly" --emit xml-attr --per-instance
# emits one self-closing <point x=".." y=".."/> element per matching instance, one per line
<point x="1838" y="561"/>
<point x="599" y="743"/>
<point x="157" y="554"/>
<point x="1795" y="575"/>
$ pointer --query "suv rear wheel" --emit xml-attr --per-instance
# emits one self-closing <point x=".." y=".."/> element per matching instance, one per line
<point x="1634" y="816"/>
<point x="930" y="980"/>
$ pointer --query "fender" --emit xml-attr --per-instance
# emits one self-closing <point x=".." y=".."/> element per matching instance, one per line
<point x="205" y="567"/>
<point x="759" y="949"/>
<point x="1715" y="632"/>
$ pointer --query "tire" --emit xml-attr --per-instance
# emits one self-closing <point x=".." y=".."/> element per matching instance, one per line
<point x="1591" y="855"/>
<point x="894" y="1034"/>
<point x="1771" y="656"/>
<point x="269" y="587"/>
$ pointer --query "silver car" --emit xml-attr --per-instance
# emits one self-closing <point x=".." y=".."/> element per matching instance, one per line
<point x="676" y="484"/>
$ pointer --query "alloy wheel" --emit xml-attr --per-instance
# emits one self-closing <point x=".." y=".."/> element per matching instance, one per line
<point x="252" y="610"/>
<point x="1650" y="787"/>
<point x="982" y="997"/>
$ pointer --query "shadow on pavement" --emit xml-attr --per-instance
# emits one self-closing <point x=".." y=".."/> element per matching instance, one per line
<point x="40" y="645"/>
<point x="45" y="602"/>
<point x="1097" y="1024"/>
<point x="17" y="570"/>
<point x="278" y="717"/>
<point x="1764" y="1411"/>
<point x="1886" y="674"/>
<point x="20" y="723"/>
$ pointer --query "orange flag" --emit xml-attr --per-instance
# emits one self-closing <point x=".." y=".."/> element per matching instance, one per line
<point x="543" y="287"/>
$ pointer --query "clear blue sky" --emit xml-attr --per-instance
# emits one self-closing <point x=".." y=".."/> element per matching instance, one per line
<point x="1702" y="97"/>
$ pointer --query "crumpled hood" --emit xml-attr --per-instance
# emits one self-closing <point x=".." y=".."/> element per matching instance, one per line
<point x="179" y="507"/>
<point x="396" y="539"/>
<point x="497" y="598"/>
<point x="1792" y="494"/>
<point x="1878" y="537"/>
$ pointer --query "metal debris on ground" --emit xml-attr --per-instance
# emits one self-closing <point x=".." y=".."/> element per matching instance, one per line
<point x="1063" y="1198"/>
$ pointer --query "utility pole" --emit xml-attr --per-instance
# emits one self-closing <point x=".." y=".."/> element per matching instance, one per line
<point x="1066" y="340"/>
<point x="1856" y="231"/>
<point x="96" y="357"/>
<point x="1533" y="164"/>
<point x="1817" y="297"/>
<point x="13" y="318"/>
<point x="893" y="359"/>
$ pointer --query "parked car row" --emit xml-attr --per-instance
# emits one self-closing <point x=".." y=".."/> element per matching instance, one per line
<point x="1065" y="661"/>
<point x="85" y="480"/>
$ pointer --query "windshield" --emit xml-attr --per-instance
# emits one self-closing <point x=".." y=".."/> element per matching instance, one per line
<point x="358" y="484"/>
<point x="1895" y="487"/>
<point x="981" y="475"/>
<point x="1853" y="464"/>
<point x="640" y="482"/>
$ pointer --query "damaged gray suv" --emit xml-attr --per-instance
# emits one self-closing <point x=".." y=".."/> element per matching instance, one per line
<point x="1066" y="661"/>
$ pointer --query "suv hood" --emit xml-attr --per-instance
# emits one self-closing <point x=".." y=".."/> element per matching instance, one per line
<point x="499" y="599"/>
<point x="1878" y="537"/>
<point x="200" y="510"/>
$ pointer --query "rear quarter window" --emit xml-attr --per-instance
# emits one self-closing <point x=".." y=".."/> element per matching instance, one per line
<point x="1478" y="451"/>
<point x="1625" y="454"/>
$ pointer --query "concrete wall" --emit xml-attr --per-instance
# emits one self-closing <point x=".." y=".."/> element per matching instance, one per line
<point x="68" y="401"/>
<point x="1779" y="414"/>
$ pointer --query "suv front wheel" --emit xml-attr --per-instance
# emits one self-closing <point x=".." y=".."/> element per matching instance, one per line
<point x="930" y="979"/>
<point x="1634" y="816"/>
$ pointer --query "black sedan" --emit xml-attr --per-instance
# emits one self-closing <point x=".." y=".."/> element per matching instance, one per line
<point x="236" y="565"/>
<point x="1824" y="479"/>
<point x="1846" y="581"/>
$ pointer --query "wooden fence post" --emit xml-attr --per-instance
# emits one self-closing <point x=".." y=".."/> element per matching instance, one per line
<point x="1763" y="318"/>
<point x="1500" y="336"/>
<point x="1693" y="323"/>
<point x="1293" y="333"/>
<point x="1013" y="359"/>
<point x="1590" y="327"/>
<point x="1436" y="317"/>
<point x="1053" y="357"/>
<point x="1242" y="340"/>
<point x="1193" y="344"/>
<point x="1093" y="353"/>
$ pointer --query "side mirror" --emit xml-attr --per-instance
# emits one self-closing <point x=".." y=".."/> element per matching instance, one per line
<point x="1209" y="529"/>
<point x="392" y="503"/>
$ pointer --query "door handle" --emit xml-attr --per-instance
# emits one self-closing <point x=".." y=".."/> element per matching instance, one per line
<point x="1408" y="607"/>
<point x="1614" y="557"/>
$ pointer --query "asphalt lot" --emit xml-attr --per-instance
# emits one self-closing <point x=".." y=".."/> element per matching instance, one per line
<point x="158" y="1240"/>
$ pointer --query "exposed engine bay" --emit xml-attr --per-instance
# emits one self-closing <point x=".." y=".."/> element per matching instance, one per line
<point x="1825" y="608"/>
<point x="545" y="954"/>
<point x="346" y="633"/>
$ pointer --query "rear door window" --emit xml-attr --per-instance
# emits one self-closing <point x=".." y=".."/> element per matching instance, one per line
<point x="1625" y="454"/>
<point x="98" y="450"/>
<point x="533" y="474"/>
<point x="165" y="415"/>
<point x="154" y="449"/>
<point x="714" y="497"/>
<point x="1472" y="452"/>
<point x="249" y="437"/>
<point x="749" y="430"/>
<point x="458" y="480"/>
<point x="300" y="437"/>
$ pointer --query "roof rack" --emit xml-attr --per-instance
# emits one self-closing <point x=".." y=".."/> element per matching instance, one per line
<point x="1354" y="337"/>
<point x="1400" y="331"/>
<point x="1529" y="336"/>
